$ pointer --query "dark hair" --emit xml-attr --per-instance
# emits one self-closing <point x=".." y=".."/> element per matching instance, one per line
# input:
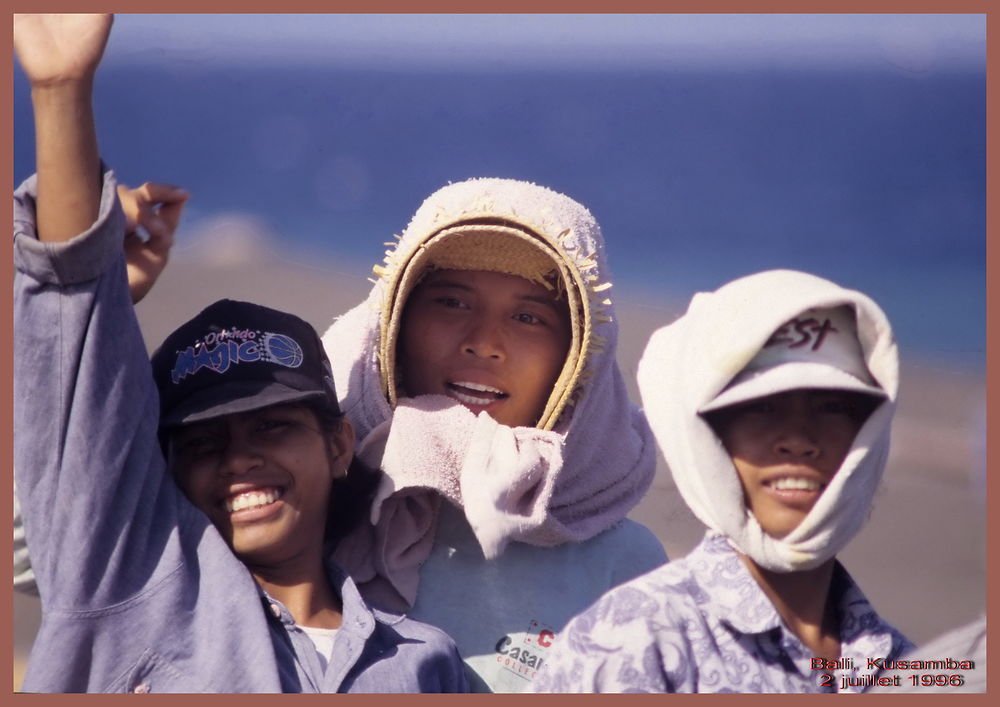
<point x="351" y="496"/>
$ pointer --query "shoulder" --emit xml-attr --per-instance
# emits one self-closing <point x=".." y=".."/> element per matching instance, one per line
<point x="411" y="629"/>
<point x="628" y="537"/>
<point x="630" y="546"/>
<point x="439" y="667"/>
<point x="400" y="629"/>
<point x="395" y="627"/>
<point x="629" y="531"/>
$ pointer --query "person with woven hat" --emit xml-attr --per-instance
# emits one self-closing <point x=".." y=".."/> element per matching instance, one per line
<point x="771" y="399"/>
<point x="480" y="374"/>
<point x="210" y="572"/>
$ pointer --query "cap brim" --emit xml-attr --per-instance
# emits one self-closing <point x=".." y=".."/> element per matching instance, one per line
<point x="236" y="397"/>
<point x="789" y="376"/>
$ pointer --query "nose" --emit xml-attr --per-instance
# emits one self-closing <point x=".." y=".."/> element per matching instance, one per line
<point x="484" y="339"/>
<point x="796" y="441"/>
<point x="239" y="457"/>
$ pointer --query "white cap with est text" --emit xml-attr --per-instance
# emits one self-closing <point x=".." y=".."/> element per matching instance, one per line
<point x="817" y="349"/>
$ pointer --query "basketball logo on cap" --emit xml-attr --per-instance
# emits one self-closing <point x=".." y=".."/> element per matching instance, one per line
<point x="282" y="350"/>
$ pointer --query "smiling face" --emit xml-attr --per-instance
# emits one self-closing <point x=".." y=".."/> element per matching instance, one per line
<point x="263" y="478"/>
<point x="787" y="447"/>
<point x="491" y="341"/>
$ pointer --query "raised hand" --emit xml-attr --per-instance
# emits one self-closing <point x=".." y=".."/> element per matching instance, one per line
<point x="156" y="209"/>
<point x="56" y="49"/>
<point x="59" y="54"/>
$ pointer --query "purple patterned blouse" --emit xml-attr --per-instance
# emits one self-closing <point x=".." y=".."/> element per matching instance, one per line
<point x="703" y="624"/>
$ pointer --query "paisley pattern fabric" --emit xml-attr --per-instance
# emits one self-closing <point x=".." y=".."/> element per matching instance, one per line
<point x="703" y="624"/>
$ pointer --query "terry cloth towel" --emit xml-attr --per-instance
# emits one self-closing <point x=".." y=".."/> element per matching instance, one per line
<point x="525" y="484"/>
<point x="688" y="363"/>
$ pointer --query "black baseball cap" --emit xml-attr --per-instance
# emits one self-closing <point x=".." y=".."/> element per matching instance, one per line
<point x="236" y="357"/>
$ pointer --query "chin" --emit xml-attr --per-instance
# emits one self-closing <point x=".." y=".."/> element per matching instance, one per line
<point x="779" y="529"/>
<point x="257" y="550"/>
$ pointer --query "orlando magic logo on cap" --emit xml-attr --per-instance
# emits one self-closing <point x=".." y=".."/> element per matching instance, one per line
<point x="236" y="357"/>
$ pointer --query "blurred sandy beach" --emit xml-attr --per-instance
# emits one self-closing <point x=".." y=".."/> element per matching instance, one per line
<point x="921" y="559"/>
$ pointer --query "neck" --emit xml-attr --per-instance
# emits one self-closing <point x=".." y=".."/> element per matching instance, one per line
<point x="304" y="589"/>
<point x="802" y="600"/>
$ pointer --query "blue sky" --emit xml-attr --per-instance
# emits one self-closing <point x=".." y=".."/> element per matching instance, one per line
<point x="911" y="42"/>
<point x="821" y="169"/>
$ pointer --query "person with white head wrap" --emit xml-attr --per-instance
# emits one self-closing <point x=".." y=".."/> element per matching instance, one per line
<point x="771" y="400"/>
<point x="726" y="331"/>
<point x="503" y="508"/>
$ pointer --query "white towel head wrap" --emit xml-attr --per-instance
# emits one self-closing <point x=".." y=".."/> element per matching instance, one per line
<point x="735" y="344"/>
<point x="586" y="463"/>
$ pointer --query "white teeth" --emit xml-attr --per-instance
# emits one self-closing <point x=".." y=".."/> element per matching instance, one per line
<point x="251" y="499"/>
<point x="797" y="484"/>
<point x="478" y="386"/>
<point x="460" y="390"/>
<point x="470" y="400"/>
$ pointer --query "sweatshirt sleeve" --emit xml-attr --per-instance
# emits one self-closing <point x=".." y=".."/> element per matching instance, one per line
<point x="97" y="506"/>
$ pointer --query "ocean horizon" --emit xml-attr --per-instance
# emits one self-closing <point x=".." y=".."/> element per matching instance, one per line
<point x="875" y="179"/>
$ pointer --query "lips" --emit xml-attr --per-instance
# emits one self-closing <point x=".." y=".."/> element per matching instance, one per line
<point x="477" y="394"/>
<point x="797" y="490"/>
<point x="790" y="483"/>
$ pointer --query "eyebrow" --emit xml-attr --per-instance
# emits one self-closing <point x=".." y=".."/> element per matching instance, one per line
<point x="548" y="302"/>
<point x="543" y="300"/>
<point x="441" y="283"/>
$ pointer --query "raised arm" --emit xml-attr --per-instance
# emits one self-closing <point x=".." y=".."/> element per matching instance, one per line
<point x="60" y="54"/>
<point x="86" y="412"/>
